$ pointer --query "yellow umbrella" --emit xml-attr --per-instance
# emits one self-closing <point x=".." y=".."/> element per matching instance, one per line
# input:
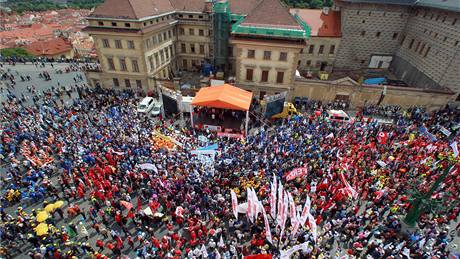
<point x="42" y="216"/>
<point x="41" y="229"/>
<point x="58" y="204"/>
<point x="50" y="207"/>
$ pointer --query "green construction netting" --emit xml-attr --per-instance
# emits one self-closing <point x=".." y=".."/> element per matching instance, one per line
<point x="271" y="31"/>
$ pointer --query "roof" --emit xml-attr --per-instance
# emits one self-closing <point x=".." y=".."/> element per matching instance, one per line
<point x="132" y="9"/>
<point x="49" y="47"/>
<point x="137" y="9"/>
<point x="224" y="97"/>
<point x="271" y="19"/>
<point x="452" y="5"/>
<point x="321" y="25"/>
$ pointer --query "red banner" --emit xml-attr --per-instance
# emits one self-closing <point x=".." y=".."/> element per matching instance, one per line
<point x="297" y="172"/>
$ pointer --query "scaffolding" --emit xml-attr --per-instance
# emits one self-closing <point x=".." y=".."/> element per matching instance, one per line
<point x="221" y="32"/>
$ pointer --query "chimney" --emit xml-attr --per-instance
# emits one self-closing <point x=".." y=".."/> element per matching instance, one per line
<point x="325" y="10"/>
<point x="207" y="6"/>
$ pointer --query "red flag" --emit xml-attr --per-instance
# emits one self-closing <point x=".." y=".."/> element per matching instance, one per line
<point x="382" y="137"/>
<point x="297" y="172"/>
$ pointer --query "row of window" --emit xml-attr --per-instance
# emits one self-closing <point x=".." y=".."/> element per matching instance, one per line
<point x="183" y="48"/>
<point x="159" y="38"/>
<point x="264" y="76"/>
<point x="190" y="16"/>
<point x="370" y="13"/>
<point x="394" y="36"/>
<point x="193" y="63"/>
<point x="267" y="55"/>
<point x="157" y="20"/>
<point x="122" y="64"/>
<point x="318" y="63"/>
<point x="161" y="57"/>
<point x="438" y="17"/>
<point x="311" y="49"/>
<point x="435" y="35"/>
<point x="116" y="83"/>
<point x="421" y="47"/>
<point x="192" y="32"/>
<point x="118" y="44"/>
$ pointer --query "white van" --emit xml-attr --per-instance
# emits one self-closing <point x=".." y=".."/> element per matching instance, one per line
<point x="146" y="105"/>
<point x="338" y="116"/>
<point x="156" y="110"/>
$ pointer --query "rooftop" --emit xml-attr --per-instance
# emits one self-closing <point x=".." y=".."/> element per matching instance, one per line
<point x="451" y="5"/>
<point x="321" y="24"/>
<point x="49" y="47"/>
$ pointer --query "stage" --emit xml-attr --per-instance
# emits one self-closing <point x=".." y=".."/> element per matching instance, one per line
<point x="228" y="123"/>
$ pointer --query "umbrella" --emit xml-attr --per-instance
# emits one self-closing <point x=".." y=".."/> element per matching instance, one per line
<point x="127" y="205"/>
<point x="41" y="229"/>
<point x="58" y="204"/>
<point x="42" y="216"/>
<point x="50" y="207"/>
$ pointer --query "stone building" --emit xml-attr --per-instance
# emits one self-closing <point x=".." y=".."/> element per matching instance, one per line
<point x="321" y="48"/>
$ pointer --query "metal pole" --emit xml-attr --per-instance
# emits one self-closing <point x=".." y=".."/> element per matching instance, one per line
<point x="247" y="123"/>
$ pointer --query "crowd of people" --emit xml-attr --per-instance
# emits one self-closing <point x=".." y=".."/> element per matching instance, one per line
<point x="82" y="180"/>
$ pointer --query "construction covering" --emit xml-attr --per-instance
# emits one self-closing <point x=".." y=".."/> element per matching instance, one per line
<point x="237" y="28"/>
<point x="224" y="97"/>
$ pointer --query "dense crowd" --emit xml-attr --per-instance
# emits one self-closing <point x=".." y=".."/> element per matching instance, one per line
<point x="85" y="164"/>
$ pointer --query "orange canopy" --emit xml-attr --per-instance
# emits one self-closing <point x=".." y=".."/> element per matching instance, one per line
<point x="224" y="96"/>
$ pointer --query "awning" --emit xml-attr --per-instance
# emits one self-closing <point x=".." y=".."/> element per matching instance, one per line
<point x="224" y="97"/>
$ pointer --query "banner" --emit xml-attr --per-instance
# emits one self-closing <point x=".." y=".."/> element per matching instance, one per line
<point x="234" y="204"/>
<point x="382" y="137"/>
<point x="268" y="233"/>
<point x="286" y="254"/>
<point x="148" y="166"/>
<point x="352" y="192"/>
<point x="305" y="211"/>
<point x="445" y="131"/>
<point x="297" y="172"/>
<point x="280" y="203"/>
<point x="273" y="197"/>
<point x="454" y="148"/>
<point x="249" y="208"/>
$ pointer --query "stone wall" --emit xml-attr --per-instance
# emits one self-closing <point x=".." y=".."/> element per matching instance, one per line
<point x="359" y="95"/>
<point x="369" y="29"/>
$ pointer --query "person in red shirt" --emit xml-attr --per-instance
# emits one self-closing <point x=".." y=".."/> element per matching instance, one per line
<point x="100" y="244"/>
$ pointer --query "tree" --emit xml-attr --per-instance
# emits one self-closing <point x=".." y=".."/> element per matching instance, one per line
<point x="15" y="52"/>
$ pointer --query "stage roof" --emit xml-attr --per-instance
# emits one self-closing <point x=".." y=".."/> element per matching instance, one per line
<point x="224" y="96"/>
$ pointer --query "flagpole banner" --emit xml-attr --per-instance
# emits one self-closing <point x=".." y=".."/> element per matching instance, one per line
<point x="297" y="172"/>
<point x="268" y="233"/>
<point x="234" y="203"/>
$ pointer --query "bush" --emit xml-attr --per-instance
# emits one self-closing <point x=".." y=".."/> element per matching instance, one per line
<point x="15" y="52"/>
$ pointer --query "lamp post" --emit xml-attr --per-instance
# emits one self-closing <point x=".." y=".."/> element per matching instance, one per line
<point x="420" y="203"/>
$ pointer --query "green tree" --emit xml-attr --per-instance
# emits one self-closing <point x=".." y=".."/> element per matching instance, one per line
<point x="15" y="52"/>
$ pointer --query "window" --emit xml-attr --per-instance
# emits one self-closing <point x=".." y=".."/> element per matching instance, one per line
<point x="118" y="44"/>
<point x="321" y="49"/>
<point x="395" y="35"/>
<point x="267" y="55"/>
<point x="169" y="34"/>
<point x="183" y="48"/>
<point x="411" y="43"/>
<point x="180" y="15"/>
<point x="192" y="48"/>
<point x="279" y="77"/>
<point x="230" y="51"/>
<point x="264" y="76"/>
<point x="130" y="44"/>
<point x="249" y="73"/>
<point x="160" y="38"/>
<point x="155" y="40"/>
<point x="191" y="31"/>
<point x="421" y="49"/>
<point x="148" y="43"/>
<point x="363" y="33"/>
<point x="190" y="16"/>
<point x="165" y="35"/>
<point x="123" y="64"/>
<point x="184" y="63"/>
<point x="110" y="64"/>
<point x="427" y="51"/>
<point x="283" y="56"/>
<point x="445" y="38"/>
<point x="362" y="61"/>
<point x="105" y="43"/>
<point x="332" y="49"/>
<point x="135" y="65"/>
<point x="201" y="49"/>
<point x="101" y="23"/>
<point x="181" y="31"/>
<point x="418" y="45"/>
<point x="127" y="83"/>
<point x="167" y="53"/>
<point x="171" y="50"/>
<point x="364" y="21"/>
<point x="139" y="83"/>
<point x="251" y="53"/>
<point x="377" y="34"/>
<point x="157" y="59"/>
<point x="116" y="82"/>
<point x="456" y="43"/>
<point x="114" y="24"/>
<point x="200" y="16"/>
<point x="152" y="66"/>
<point x="311" y="49"/>
<point x="127" y="25"/>
<point x="162" y="56"/>
<point x="308" y="63"/>
<point x="201" y="32"/>
<point x="403" y="38"/>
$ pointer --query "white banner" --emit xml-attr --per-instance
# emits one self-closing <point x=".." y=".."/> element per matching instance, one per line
<point x="148" y="166"/>
<point x="268" y="233"/>
<point x="286" y="254"/>
<point x="234" y="203"/>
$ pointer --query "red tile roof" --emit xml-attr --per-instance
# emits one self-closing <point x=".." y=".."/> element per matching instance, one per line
<point x="271" y="14"/>
<point x="49" y="47"/>
<point x="321" y="25"/>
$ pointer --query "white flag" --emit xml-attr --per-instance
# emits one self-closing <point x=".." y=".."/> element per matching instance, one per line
<point x="249" y="208"/>
<point x="313" y="228"/>
<point x="221" y="242"/>
<point x="234" y="204"/>
<point x="268" y="233"/>
<point x="305" y="211"/>
<point x="454" y="148"/>
<point x="203" y="251"/>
